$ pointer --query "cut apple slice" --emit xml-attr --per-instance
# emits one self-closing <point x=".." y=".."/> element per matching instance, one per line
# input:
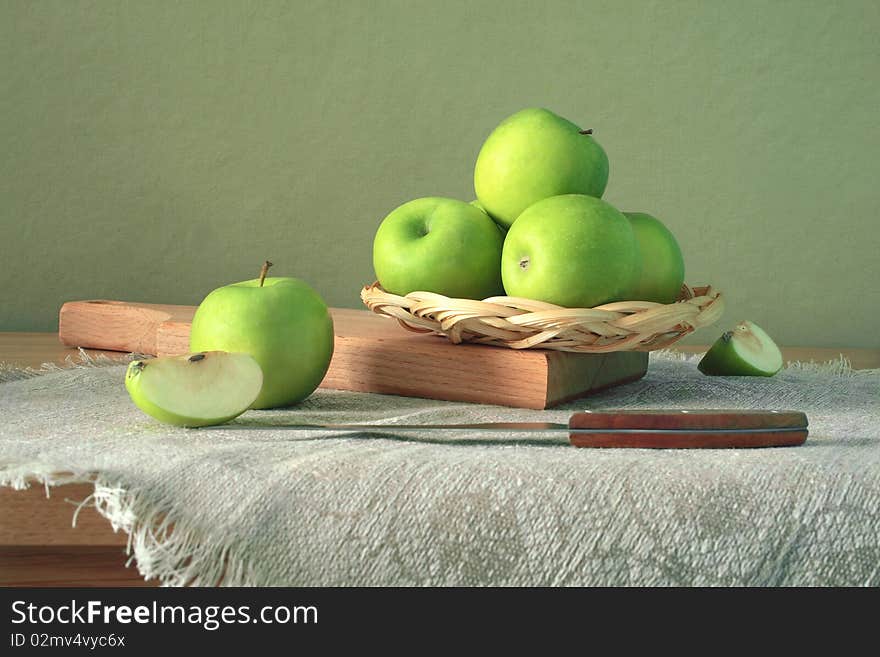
<point x="745" y="351"/>
<point x="195" y="390"/>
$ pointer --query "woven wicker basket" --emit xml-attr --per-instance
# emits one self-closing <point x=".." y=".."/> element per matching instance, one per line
<point x="523" y="323"/>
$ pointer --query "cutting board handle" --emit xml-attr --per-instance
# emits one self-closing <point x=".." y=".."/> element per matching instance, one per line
<point x="122" y="325"/>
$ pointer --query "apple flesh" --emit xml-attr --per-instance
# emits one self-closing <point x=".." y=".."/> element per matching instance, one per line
<point x="532" y="155"/>
<point x="439" y="245"/>
<point x="661" y="273"/>
<point x="571" y="250"/>
<point x="747" y="350"/>
<point x="281" y="322"/>
<point x="195" y="390"/>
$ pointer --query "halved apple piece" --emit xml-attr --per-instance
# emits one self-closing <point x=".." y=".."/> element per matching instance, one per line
<point x="195" y="390"/>
<point x="745" y="351"/>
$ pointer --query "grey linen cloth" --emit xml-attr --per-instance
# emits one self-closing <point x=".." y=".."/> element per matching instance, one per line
<point x="249" y="504"/>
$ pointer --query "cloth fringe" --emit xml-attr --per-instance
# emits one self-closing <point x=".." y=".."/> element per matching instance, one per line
<point x="10" y="372"/>
<point x="160" y="545"/>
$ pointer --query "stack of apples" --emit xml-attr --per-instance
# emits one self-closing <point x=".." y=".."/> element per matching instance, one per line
<point x="538" y="229"/>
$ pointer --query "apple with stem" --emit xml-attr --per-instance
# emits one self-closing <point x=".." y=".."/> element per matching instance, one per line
<point x="195" y="390"/>
<point x="532" y="155"/>
<point x="281" y="322"/>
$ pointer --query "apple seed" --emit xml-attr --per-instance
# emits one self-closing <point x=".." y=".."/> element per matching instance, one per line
<point x="196" y="357"/>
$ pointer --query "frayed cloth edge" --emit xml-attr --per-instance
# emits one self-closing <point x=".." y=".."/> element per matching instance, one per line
<point x="162" y="545"/>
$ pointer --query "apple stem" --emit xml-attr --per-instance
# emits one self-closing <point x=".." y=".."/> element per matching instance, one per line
<point x="727" y="336"/>
<point x="263" y="271"/>
<point x="588" y="131"/>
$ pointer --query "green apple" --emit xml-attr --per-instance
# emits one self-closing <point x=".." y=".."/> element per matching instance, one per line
<point x="533" y="155"/>
<point x="439" y="245"/>
<point x="282" y="322"/>
<point x="662" y="268"/>
<point x="745" y="351"/>
<point x="571" y="250"/>
<point x="195" y="390"/>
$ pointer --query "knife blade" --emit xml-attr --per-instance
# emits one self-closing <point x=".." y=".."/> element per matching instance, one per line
<point x="657" y="429"/>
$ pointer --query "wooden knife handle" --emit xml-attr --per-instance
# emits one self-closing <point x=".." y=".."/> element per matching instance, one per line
<point x="712" y="429"/>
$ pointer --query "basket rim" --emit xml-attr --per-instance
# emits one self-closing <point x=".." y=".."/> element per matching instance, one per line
<point x="520" y="323"/>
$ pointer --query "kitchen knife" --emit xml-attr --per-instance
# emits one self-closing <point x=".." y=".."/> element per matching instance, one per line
<point x="660" y="429"/>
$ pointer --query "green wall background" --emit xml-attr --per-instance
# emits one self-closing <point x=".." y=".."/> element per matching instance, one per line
<point x="156" y="150"/>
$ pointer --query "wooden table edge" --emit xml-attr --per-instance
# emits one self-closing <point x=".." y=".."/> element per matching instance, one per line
<point x="33" y="349"/>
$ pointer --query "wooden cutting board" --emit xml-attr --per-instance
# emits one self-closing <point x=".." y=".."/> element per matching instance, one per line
<point x="374" y="354"/>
